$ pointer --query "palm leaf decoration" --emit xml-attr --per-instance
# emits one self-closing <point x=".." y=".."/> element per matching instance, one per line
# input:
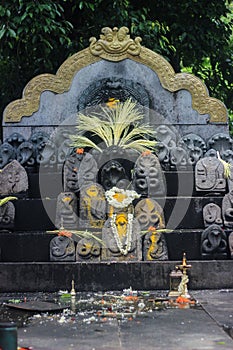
<point x="119" y="126"/>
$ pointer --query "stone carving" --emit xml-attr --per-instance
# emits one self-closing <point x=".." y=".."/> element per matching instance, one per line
<point x="121" y="235"/>
<point x="149" y="213"/>
<point x="46" y="154"/>
<point x="15" y="140"/>
<point x="213" y="243"/>
<point x="166" y="135"/>
<point x="70" y="171"/>
<point x="111" y="174"/>
<point x="209" y="175"/>
<point x="154" y="246"/>
<point x="121" y="89"/>
<point x="62" y="248"/>
<point x="195" y="146"/>
<point x="92" y="206"/>
<point x="7" y="154"/>
<point x="212" y="214"/>
<point x="88" y="170"/>
<point x="7" y="215"/>
<point x="25" y="154"/>
<point x="230" y="243"/>
<point x="148" y="179"/>
<point x="115" y="44"/>
<point x="178" y="158"/>
<point x="88" y="249"/>
<point x="66" y="212"/>
<point x="13" y="179"/>
<point x="227" y="209"/>
<point x="220" y="142"/>
<point x="162" y="152"/>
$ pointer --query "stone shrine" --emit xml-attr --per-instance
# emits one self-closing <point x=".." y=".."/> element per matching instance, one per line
<point x="119" y="166"/>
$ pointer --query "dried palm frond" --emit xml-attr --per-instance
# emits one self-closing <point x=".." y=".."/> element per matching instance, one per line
<point x="119" y="126"/>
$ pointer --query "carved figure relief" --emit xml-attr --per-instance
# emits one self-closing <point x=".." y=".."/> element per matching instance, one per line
<point x="46" y="154"/>
<point x="213" y="243"/>
<point x="62" y="249"/>
<point x="220" y="142"/>
<point x="212" y="214"/>
<point x="121" y="234"/>
<point x="7" y="154"/>
<point x="227" y="209"/>
<point x="92" y="206"/>
<point x="13" y="179"/>
<point x="66" y="212"/>
<point x="15" y="140"/>
<point x="88" y="170"/>
<point x="88" y="249"/>
<point x="25" y="154"/>
<point x="71" y="169"/>
<point x="7" y="215"/>
<point x="149" y="213"/>
<point x="154" y="246"/>
<point x="178" y="157"/>
<point x="195" y="146"/>
<point x="230" y="243"/>
<point x="148" y="179"/>
<point x="111" y="174"/>
<point x="166" y="135"/>
<point x="162" y="152"/>
<point x="209" y="175"/>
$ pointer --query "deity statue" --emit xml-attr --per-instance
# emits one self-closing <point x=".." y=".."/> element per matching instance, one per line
<point x="62" y="249"/>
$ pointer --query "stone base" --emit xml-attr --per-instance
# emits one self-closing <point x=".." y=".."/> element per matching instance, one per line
<point x="51" y="277"/>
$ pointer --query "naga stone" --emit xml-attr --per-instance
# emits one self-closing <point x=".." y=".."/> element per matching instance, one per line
<point x="166" y="135"/>
<point x="62" y="248"/>
<point x="178" y="158"/>
<point x="92" y="206"/>
<point x="149" y="213"/>
<point x="7" y="154"/>
<point x="70" y="172"/>
<point x="7" y="216"/>
<point x="88" y="249"/>
<point x="154" y="246"/>
<point x="230" y="242"/>
<point x="121" y="238"/>
<point x="46" y="154"/>
<point x="213" y="243"/>
<point x="195" y="146"/>
<point x="15" y="140"/>
<point x="162" y="152"/>
<point x="227" y="209"/>
<point x="209" y="175"/>
<point x="88" y="170"/>
<point x="111" y="174"/>
<point x="25" y="154"/>
<point x="220" y="142"/>
<point x="212" y="214"/>
<point x="13" y="179"/>
<point x="66" y="211"/>
<point x="148" y="178"/>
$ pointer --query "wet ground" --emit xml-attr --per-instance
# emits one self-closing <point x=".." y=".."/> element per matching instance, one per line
<point x="131" y="320"/>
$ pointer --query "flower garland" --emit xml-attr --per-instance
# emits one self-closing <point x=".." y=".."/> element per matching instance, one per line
<point x="120" y="198"/>
<point x="124" y="251"/>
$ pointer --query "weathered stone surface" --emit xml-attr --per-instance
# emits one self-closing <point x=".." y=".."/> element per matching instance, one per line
<point x="70" y="172"/>
<point x="214" y="243"/>
<point x="7" y="154"/>
<point x="88" y="170"/>
<point x="148" y="178"/>
<point x="230" y="243"/>
<point x="167" y="135"/>
<point x="25" y="154"/>
<point x="13" y="179"/>
<point x="220" y="142"/>
<point x="7" y="215"/>
<point x="154" y="247"/>
<point x="195" y="146"/>
<point x="92" y="206"/>
<point x="149" y="213"/>
<point x="112" y="174"/>
<point x="227" y="209"/>
<point x="212" y="214"/>
<point x="122" y="239"/>
<point x="88" y="249"/>
<point x="178" y="158"/>
<point x="62" y="249"/>
<point x="66" y="211"/>
<point x="209" y="175"/>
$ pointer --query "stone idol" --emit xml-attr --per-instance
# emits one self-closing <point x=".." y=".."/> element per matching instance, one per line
<point x="62" y="248"/>
<point x="88" y="249"/>
<point x="13" y="179"/>
<point x="213" y="243"/>
<point x="212" y="214"/>
<point x="66" y="211"/>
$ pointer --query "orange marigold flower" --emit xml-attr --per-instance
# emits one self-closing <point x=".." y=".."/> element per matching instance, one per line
<point x="112" y="102"/>
<point x="80" y="150"/>
<point x="146" y="153"/>
<point x="65" y="233"/>
<point x="152" y="228"/>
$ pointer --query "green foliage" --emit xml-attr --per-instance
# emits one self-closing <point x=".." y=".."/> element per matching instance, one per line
<point x="36" y="36"/>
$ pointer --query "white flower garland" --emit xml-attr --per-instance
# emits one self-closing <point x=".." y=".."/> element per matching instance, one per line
<point x="124" y="251"/>
<point x="130" y="196"/>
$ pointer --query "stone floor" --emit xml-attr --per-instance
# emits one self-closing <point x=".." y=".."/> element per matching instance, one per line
<point x="131" y="320"/>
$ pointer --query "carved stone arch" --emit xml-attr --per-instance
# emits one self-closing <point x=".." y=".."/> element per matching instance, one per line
<point x="115" y="45"/>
